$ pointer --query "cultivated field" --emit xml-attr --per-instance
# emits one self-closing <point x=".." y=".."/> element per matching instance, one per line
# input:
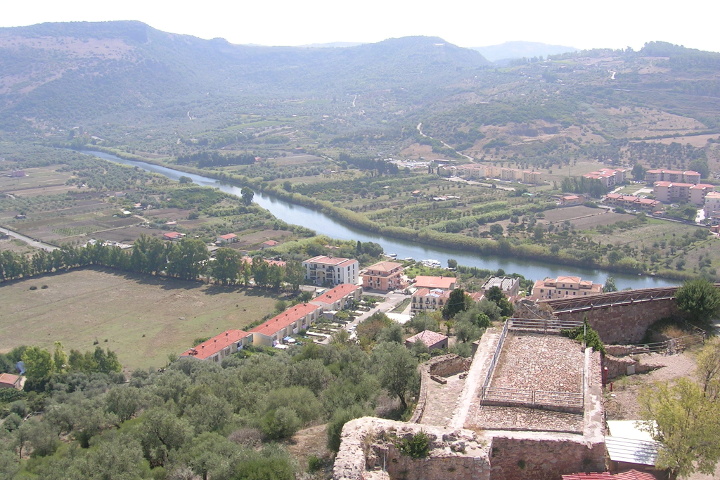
<point x="143" y="319"/>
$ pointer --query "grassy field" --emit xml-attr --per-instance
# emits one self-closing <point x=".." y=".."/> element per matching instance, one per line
<point x="143" y="319"/>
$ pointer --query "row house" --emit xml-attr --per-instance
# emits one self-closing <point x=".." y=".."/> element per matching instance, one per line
<point x="426" y="300"/>
<point x="680" y="176"/>
<point x="669" y="192"/>
<point x="339" y="297"/>
<point x="563" y="287"/>
<point x="631" y="202"/>
<point x="384" y="276"/>
<point x="323" y="270"/>
<point x="291" y="321"/>
<point x="474" y="171"/>
<point x="220" y="346"/>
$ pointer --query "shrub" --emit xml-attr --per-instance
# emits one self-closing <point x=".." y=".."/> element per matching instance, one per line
<point x="415" y="446"/>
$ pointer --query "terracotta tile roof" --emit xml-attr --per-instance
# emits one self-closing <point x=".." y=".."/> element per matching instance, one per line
<point x="384" y="266"/>
<point x="336" y="261"/>
<point x="428" y="337"/>
<point x="331" y="296"/>
<point x="446" y="283"/>
<point x="9" y="379"/>
<point x="173" y="235"/>
<point x="228" y="236"/>
<point x="288" y="317"/>
<point x="216" y="344"/>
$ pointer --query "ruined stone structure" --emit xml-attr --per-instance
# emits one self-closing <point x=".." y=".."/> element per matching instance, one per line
<point x="470" y="440"/>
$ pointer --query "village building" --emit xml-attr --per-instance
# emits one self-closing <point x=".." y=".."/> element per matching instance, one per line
<point x="562" y="287"/>
<point x="435" y="282"/>
<point x="608" y="177"/>
<point x="571" y="200"/>
<point x="323" y="270"/>
<point x="8" y="380"/>
<point x="427" y="300"/>
<point x="227" y="238"/>
<point x="510" y="286"/>
<point x="269" y="244"/>
<point x="659" y="175"/>
<point x="669" y="192"/>
<point x="339" y="297"/>
<point x="220" y="346"/>
<point x="432" y="340"/>
<point x="291" y="321"/>
<point x="712" y="205"/>
<point x="173" y="236"/>
<point x="383" y="276"/>
<point x="631" y="202"/>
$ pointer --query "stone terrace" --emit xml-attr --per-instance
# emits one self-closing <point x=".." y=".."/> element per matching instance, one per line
<point x="531" y="361"/>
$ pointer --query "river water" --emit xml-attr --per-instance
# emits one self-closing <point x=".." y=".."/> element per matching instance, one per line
<point x="321" y="223"/>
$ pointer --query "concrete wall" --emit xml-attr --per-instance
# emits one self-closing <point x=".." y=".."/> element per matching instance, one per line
<point x="625" y="323"/>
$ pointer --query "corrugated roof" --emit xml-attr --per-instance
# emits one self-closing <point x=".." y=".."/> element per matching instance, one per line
<point x="628" y="450"/>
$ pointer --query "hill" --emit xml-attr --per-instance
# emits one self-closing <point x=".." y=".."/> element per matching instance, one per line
<point x="132" y="87"/>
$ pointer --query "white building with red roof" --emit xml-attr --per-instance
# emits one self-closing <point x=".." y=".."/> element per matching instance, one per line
<point x="323" y="270"/>
<point x="291" y="321"/>
<point x="427" y="300"/>
<point x="339" y="297"/>
<point x="173" y="236"/>
<point x="563" y="287"/>
<point x="220" y="346"/>
<point x="227" y="238"/>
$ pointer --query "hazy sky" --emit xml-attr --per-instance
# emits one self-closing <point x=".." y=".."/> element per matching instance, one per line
<point x="468" y="23"/>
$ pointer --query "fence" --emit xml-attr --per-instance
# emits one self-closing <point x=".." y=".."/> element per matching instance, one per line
<point x="549" y="400"/>
<point x="669" y="347"/>
<point x="495" y="357"/>
<point x="553" y="326"/>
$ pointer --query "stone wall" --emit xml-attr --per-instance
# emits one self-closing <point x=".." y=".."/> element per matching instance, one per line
<point x="544" y="457"/>
<point x="370" y="445"/>
<point x="442" y="366"/>
<point x="625" y="323"/>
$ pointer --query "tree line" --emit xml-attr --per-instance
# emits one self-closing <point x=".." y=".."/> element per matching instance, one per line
<point x="187" y="259"/>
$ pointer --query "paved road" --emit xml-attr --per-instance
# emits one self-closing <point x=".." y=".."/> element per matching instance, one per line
<point x="30" y="241"/>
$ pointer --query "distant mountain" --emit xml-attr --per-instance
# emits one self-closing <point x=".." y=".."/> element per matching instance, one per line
<point x="127" y="85"/>
<point x="513" y="50"/>
<point x="73" y="72"/>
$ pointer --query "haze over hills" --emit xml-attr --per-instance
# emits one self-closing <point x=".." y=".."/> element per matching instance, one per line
<point x="512" y="50"/>
<point x="130" y="85"/>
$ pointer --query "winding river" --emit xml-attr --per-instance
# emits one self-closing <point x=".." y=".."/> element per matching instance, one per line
<point x="321" y="223"/>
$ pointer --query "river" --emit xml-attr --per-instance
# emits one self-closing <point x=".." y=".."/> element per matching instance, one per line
<point x="321" y="223"/>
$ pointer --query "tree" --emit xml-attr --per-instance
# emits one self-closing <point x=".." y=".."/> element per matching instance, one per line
<point x="39" y="364"/>
<point x="210" y="455"/>
<point x="610" y="285"/>
<point x="294" y="274"/>
<point x="187" y="259"/>
<point x="226" y="266"/>
<point x="247" y="195"/>
<point x="456" y="303"/>
<point x="699" y="299"/>
<point x="686" y="421"/>
<point x="396" y="369"/>
<point x="638" y="172"/>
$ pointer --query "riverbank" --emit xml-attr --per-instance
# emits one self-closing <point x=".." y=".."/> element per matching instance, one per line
<point x="502" y="248"/>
